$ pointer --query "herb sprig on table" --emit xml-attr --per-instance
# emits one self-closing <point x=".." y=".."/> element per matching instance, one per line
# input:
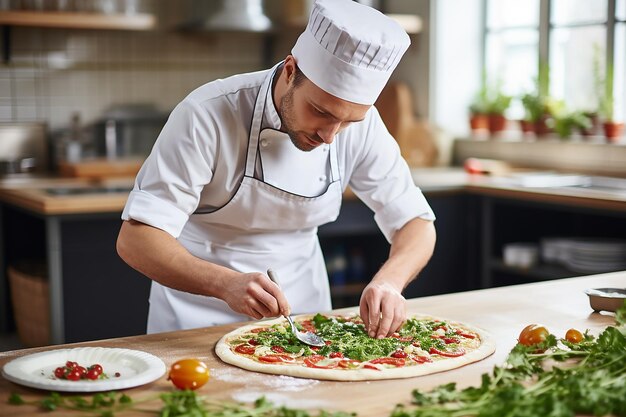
<point x="554" y="378"/>
<point x="175" y="404"/>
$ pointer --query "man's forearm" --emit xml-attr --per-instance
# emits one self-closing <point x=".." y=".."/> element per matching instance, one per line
<point x="411" y="249"/>
<point x="161" y="257"/>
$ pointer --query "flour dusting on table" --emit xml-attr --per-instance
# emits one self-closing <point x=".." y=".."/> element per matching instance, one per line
<point x="263" y="381"/>
<point x="246" y="396"/>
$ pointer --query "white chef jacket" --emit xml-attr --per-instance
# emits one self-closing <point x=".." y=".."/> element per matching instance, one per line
<point x="199" y="158"/>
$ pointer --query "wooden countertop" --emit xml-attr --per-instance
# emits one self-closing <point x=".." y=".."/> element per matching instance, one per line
<point x="503" y="312"/>
<point x="31" y="194"/>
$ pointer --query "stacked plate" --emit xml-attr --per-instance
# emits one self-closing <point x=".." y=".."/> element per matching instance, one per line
<point x="586" y="255"/>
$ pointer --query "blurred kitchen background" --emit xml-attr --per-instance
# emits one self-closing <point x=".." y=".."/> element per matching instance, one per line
<point x="510" y="114"/>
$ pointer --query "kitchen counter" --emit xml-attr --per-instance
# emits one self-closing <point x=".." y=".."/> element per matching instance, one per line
<point x="32" y="194"/>
<point x="503" y="312"/>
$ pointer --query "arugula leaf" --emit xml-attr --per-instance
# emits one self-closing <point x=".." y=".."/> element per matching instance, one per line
<point x="620" y="315"/>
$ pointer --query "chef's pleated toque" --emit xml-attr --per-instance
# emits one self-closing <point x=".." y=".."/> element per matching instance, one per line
<point x="350" y="50"/>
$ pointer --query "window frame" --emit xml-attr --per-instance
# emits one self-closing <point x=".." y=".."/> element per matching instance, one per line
<point x="545" y="29"/>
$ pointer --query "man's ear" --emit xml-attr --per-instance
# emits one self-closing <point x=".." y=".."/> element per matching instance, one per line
<point x="289" y="68"/>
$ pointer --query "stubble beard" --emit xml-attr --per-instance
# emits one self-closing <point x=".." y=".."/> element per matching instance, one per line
<point x="287" y="119"/>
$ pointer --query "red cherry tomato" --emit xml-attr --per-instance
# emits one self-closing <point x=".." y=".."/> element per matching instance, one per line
<point x="573" y="336"/>
<point x="92" y="374"/>
<point x="533" y="334"/>
<point x="97" y="368"/>
<point x="189" y="374"/>
<point x="73" y="375"/>
<point x="60" y="372"/>
<point x="71" y="364"/>
<point x="81" y="370"/>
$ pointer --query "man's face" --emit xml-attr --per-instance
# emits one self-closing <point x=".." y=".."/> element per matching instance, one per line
<point x="312" y="117"/>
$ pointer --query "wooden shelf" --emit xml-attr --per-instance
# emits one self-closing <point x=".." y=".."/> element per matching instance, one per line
<point x="74" y="20"/>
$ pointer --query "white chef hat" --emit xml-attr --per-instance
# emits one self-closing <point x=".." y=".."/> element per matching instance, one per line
<point x="350" y="50"/>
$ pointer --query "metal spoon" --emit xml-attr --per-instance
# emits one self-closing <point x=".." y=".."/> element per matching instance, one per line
<point x="308" y="338"/>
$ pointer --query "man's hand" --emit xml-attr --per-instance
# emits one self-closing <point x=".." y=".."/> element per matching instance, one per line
<point x="255" y="295"/>
<point x="383" y="309"/>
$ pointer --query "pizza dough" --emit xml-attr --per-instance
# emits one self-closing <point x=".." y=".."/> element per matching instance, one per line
<point x="244" y="348"/>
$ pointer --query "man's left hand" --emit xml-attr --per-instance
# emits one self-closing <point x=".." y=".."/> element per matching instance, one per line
<point x="383" y="309"/>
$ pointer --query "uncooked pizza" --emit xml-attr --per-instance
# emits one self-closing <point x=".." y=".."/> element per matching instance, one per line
<point x="423" y="345"/>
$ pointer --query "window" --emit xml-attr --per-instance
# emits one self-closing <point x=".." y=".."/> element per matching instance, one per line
<point x="510" y="40"/>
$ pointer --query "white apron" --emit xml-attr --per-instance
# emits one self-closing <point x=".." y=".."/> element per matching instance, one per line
<point x="262" y="226"/>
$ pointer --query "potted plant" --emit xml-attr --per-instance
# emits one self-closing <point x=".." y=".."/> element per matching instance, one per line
<point x="613" y="130"/>
<point x="566" y="122"/>
<point x="498" y="103"/>
<point x="478" y="110"/>
<point x="538" y="105"/>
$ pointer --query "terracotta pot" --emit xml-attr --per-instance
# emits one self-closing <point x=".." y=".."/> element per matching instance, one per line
<point x="497" y="123"/>
<point x="527" y="126"/>
<point x="541" y="126"/>
<point x="479" y="122"/>
<point x="613" y="131"/>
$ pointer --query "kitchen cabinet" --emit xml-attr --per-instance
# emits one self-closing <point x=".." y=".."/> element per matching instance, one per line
<point x="93" y="293"/>
<point x="507" y="220"/>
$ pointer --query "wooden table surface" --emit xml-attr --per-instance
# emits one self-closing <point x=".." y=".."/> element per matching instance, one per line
<point x="503" y="312"/>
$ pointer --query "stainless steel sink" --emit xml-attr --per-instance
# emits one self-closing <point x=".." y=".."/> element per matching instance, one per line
<point x="73" y="191"/>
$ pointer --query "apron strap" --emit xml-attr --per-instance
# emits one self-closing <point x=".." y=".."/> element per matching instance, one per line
<point x="257" y="119"/>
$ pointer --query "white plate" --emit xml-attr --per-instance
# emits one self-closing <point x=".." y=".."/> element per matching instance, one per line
<point x="37" y="370"/>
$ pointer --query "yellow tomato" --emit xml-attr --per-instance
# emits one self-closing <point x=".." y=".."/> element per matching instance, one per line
<point x="189" y="374"/>
<point x="533" y="334"/>
<point x="573" y="336"/>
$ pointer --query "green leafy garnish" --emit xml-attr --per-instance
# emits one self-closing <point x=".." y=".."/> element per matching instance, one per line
<point x="591" y="380"/>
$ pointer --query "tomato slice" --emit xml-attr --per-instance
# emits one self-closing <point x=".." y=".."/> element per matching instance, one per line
<point x="399" y="354"/>
<point x="308" y="326"/>
<point x="277" y="359"/>
<point x="450" y="354"/>
<point x="349" y="363"/>
<point x="278" y="349"/>
<point x="369" y="366"/>
<point x="421" y="359"/>
<point x="259" y="330"/>
<point x="465" y="334"/>
<point x="448" y="340"/>
<point x="402" y="338"/>
<point x="312" y="361"/>
<point x="397" y="362"/>
<point x="335" y="355"/>
<point x="245" y="349"/>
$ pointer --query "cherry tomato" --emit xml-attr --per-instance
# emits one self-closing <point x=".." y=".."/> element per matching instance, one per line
<point x="533" y="334"/>
<point x="97" y="368"/>
<point x="81" y="370"/>
<point x="73" y="375"/>
<point x="60" y="372"/>
<point x="92" y="374"/>
<point x="573" y="336"/>
<point x="71" y="364"/>
<point x="189" y="374"/>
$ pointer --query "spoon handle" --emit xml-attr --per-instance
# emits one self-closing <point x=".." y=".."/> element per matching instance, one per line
<point x="274" y="278"/>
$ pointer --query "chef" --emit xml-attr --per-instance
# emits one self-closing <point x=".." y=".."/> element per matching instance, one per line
<point x="247" y="168"/>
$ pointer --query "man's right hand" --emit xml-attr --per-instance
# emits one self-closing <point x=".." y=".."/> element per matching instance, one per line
<point x="255" y="295"/>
